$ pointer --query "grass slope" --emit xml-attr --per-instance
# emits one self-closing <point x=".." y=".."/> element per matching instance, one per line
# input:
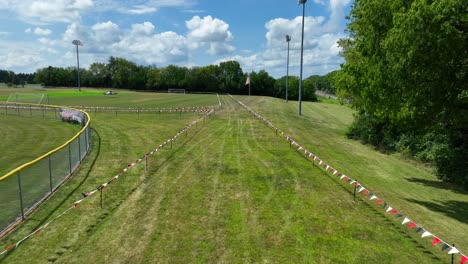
<point x="26" y="138"/>
<point x="229" y="191"/>
<point x="410" y="187"/>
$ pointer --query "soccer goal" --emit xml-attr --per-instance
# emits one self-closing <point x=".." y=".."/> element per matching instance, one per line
<point x="29" y="98"/>
<point x="176" y="91"/>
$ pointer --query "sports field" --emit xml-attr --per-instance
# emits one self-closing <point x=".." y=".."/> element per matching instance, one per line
<point x="26" y="138"/>
<point x="231" y="190"/>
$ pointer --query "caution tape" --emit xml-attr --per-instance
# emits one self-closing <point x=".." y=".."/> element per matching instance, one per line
<point x="360" y="188"/>
<point x="86" y="195"/>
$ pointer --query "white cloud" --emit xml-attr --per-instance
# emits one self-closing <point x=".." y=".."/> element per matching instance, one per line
<point x="278" y="28"/>
<point x="140" y="7"/>
<point x="163" y="48"/>
<point x="139" y="10"/>
<point x="75" y="31"/>
<point x="41" y="11"/>
<point x="208" y="29"/>
<point x="337" y="8"/>
<point x="209" y="32"/>
<point x="147" y="28"/>
<point x="39" y="31"/>
<point x="321" y="52"/>
<point x="139" y="43"/>
<point x="48" y="42"/>
<point x="20" y="58"/>
<point x="106" y="33"/>
<point x="220" y="48"/>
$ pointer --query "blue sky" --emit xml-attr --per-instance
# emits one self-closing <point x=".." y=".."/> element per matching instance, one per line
<point x="38" y="33"/>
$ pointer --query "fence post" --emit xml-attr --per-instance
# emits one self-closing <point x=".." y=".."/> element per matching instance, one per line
<point x="354" y="194"/>
<point x="50" y="173"/>
<point x="79" y="148"/>
<point x="453" y="254"/>
<point x="146" y="165"/>
<point x="100" y="190"/>
<point x="20" y="194"/>
<point x="69" y="158"/>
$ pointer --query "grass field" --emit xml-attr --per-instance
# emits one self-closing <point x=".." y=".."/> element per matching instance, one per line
<point x="26" y="138"/>
<point x="96" y="97"/>
<point x="232" y="191"/>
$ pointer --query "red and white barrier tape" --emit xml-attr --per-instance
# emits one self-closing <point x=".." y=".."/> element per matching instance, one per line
<point x="102" y="186"/>
<point x="360" y="188"/>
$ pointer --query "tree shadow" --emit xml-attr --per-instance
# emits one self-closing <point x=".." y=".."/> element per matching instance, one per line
<point x="439" y="184"/>
<point x="457" y="210"/>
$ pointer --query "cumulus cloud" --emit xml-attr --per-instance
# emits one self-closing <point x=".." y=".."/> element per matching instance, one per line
<point x="147" y="28"/>
<point x="321" y="51"/>
<point x="139" y="43"/>
<point x="21" y="59"/>
<point x="209" y="32"/>
<point x="164" y="48"/>
<point x="44" y="12"/>
<point x="106" y="33"/>
<point x="39" y="31"/>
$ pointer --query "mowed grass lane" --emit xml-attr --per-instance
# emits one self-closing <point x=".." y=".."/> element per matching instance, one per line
<point x="408" y="186"/>
<point x="117" y="141"/>
<point x="231" y="192"/>
<point x="25" y="139"/>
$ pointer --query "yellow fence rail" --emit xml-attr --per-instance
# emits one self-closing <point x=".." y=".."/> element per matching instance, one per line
<point x="25" y="187"/>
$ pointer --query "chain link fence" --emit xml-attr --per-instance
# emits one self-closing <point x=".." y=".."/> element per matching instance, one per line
<point x="24" y="188"/>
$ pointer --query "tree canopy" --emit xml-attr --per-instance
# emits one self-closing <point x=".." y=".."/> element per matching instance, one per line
<point x="227" y="77"/>
<point x="406" y="73"/>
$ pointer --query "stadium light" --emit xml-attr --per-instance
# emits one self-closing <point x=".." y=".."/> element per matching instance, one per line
<point x="77" y="43"/>
<point x="303" y="2"/>
<point x="288" y="38"/>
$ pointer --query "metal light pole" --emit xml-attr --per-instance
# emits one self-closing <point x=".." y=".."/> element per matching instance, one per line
<point x="303" y="2"/>
<point x="78" y="43"/>
<point x="288" y="38"/>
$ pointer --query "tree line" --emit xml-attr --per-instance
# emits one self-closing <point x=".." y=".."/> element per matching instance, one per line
<point x="12" y="79"/>
<point x="406" y="74"/>
<point x="227" y="77"/>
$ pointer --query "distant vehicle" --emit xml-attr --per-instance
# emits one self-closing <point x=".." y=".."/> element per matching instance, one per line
<point x="110" y="93"/>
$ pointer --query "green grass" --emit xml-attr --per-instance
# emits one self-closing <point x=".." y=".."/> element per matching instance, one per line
<point x="96" y="97"/>
<point x="26" y="138"/>
<point x="229" y="191"/>
<point x="408" y="186"/>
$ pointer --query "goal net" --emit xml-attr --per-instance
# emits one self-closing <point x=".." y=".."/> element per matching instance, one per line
<point x="30" y="98"/>
<point x="176" y="91"/>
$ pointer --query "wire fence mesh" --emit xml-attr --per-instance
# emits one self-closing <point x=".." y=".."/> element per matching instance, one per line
<point x="25" y="187"/>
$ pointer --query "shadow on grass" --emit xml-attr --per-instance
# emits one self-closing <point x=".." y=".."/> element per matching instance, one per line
<point x="457" y="210"/>
<point x="438" y="184"/>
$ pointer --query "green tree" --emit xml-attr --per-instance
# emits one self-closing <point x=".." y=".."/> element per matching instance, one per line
<point x="406" y="72"/>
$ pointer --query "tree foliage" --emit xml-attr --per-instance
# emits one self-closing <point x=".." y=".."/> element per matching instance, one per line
<point x="227" y="77"/>
<point x="406" y="72"/>
<point x="11" y="78"/>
